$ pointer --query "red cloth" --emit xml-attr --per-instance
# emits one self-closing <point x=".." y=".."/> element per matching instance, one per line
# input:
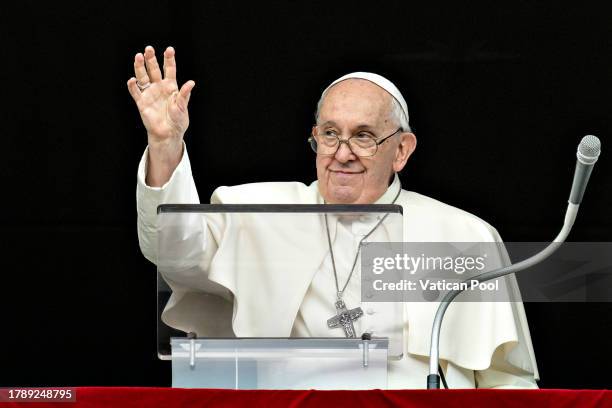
<point x="117" y="397"/>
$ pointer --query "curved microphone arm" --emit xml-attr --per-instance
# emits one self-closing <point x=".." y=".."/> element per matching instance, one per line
<point x="433" y="379"/>
<point x="587" y="154"/>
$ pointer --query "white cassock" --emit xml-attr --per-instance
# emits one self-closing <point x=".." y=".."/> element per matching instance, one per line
<point x="482" y="344"/>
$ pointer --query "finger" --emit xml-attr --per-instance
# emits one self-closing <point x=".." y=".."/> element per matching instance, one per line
<point x="169" y="64"/>
<point x="133" y="88"/>
<point x="139" y="69"/>
<point x="152" y="65"/>
<point x="182" y="99"/>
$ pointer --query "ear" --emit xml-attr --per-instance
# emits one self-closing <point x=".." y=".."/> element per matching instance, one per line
<point x="405" y="148"/>
<point x="314" y="130"/>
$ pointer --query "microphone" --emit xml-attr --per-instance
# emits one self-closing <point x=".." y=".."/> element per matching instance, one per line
<point x="587" y="154"/>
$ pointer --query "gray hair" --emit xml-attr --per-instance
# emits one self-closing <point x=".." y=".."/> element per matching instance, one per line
<point x="397" y="113"/>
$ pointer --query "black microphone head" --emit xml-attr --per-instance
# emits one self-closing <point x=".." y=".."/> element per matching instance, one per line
<point x="589" y="149"/>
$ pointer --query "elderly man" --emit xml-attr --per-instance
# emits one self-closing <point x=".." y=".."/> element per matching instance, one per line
<point x="362" y="139"/>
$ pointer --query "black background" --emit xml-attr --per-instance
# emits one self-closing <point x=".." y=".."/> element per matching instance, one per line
<point x="499" y="98"/>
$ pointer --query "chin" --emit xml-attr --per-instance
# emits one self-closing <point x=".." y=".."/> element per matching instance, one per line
<point x="343" y="195"/>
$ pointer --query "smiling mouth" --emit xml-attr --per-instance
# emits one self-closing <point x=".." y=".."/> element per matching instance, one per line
<point x="346" y="172"/>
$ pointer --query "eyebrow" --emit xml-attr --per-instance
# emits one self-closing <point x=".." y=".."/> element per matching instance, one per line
<point x="358" y="127"/>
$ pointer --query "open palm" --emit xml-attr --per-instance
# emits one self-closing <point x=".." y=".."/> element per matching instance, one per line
<point x="162" y="106"/>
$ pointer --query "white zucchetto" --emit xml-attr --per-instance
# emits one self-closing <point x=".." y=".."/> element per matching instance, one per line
<point x="379" y="80"/>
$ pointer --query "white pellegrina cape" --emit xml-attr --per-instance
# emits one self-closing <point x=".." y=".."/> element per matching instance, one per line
<point x="212" y="296"/>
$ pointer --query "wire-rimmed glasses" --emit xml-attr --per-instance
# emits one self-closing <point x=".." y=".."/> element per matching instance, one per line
<point x="328" y="142"/>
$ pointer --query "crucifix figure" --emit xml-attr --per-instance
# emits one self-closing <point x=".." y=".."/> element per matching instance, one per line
<point x="345" y="318"/>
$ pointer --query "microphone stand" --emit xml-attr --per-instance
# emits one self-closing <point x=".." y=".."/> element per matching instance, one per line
<point x="587" y="154"/>
<point x="433" y="379"/>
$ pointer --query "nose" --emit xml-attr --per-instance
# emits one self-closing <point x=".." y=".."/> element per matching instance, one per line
<point x="344" y="153"/>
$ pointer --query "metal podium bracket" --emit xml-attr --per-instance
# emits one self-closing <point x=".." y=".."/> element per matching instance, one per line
<point x="192" y="349"/>
<point x="366" y="337"/>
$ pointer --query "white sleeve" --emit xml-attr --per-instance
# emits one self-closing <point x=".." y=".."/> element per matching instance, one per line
<point x="180" y="189"/>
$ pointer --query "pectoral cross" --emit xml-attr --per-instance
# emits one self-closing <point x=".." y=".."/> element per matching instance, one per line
<point x="345" y="318"/>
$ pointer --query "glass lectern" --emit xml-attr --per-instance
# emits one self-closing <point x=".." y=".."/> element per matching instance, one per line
<point x="231" y="281"/>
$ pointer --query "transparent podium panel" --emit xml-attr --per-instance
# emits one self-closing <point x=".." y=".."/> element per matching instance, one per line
<point x="332" y="363"/>
<point x="267" y="271"/>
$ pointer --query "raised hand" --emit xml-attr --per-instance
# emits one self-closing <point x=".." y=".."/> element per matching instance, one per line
<point x="163" y="109"/>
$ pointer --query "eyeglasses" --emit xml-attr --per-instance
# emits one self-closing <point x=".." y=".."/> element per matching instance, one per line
<point x="362" y="145"/>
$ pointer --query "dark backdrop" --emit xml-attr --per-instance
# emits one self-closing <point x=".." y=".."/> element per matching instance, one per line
<point x="499" y="97"/>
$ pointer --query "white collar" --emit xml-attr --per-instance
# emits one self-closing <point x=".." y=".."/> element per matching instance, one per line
<point x="392" y="190"/>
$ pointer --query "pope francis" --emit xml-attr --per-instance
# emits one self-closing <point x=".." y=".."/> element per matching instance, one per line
<point x="362" y="139"/>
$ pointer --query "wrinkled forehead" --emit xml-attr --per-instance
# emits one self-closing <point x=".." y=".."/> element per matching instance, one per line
<point x="355" y="102"/>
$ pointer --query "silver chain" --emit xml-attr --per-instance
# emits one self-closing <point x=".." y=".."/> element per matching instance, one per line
<point x="339" y="292"/>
